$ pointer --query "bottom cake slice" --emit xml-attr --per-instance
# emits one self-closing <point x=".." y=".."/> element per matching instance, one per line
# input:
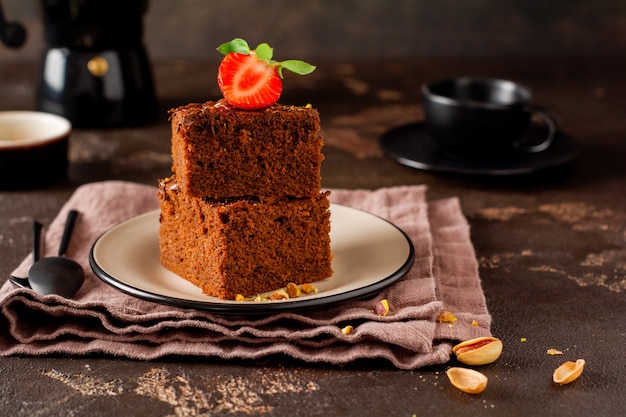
<point x="244" y="246"/>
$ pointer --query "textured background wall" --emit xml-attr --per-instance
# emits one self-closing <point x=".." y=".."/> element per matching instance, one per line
<point x="353" y="29"/>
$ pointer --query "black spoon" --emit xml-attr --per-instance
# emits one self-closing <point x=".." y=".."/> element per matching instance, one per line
<point x="55" y="274"/>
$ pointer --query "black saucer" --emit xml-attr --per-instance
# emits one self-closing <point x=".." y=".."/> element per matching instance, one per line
<point x="411" y="145"/>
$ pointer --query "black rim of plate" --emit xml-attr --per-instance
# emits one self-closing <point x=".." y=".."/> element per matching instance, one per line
<point x="256" y="308"/>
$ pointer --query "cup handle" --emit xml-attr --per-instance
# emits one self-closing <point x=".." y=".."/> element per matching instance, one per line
<point x="551" y="123"/>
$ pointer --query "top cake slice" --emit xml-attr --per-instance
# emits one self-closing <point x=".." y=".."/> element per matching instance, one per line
<point x="219" y="151"/>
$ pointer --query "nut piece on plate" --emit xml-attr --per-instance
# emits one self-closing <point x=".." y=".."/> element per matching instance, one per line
<point x="308" y="288"/>
<point x="279" y="295"/>
<point x="479" y="351"/>
<point x="467" y="380"/>
<point x="293" y="290"/>
<point x="568" y="372"/>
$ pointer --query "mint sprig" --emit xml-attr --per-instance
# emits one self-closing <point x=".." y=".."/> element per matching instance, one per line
<point x="295" y="66"/>
<point x="236" y="45"/>
<point x="265" y="52"/>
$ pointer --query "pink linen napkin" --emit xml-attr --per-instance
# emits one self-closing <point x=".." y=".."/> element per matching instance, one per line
<point x="101" y="319"/>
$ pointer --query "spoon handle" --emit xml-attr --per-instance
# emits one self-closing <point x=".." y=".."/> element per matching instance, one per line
<point x="23" y="282"/>
<point x="67" y="233"/>
<point x="36" y="240"/>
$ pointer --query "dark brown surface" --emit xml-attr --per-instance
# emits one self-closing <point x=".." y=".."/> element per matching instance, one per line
<point x="552" y="250"/>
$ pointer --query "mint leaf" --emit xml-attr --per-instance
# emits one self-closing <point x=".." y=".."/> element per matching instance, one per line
<point x="236" y="45"/>
<point x="299" y="67"/>
<point x="264" y="51"/>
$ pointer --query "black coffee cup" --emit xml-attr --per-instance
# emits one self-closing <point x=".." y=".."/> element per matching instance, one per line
<point x="482" y="117"/>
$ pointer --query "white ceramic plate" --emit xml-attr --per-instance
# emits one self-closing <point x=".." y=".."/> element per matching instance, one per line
<point x="369" y="253"/>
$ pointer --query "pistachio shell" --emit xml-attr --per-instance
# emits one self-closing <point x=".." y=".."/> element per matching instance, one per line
<point x="479" y="351"/>
<point x="467" y="380"/>
<point x="568" y="372"/>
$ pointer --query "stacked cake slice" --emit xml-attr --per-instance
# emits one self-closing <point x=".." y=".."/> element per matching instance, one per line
<point x="243" y="212"/>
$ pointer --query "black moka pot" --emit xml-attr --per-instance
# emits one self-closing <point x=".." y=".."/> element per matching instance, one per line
<point x="95" y="70"/>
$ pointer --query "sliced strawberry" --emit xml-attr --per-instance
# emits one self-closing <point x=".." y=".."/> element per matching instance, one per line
<point x="247" y="82"/>
<point x="250" y="79"/>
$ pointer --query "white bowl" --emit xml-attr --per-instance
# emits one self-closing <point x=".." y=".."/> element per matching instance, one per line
<point x="27" y="128"/>
<point x="33" y="148"/>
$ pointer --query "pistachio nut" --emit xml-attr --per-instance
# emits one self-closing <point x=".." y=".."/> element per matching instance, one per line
<point x="308" y="288"/>
<point x="293" y="290"/>
<point x="479" y="351"/>
<point x="467" y="380"/>
<point x="280" y="294"/>
<point x="568" y="372"/>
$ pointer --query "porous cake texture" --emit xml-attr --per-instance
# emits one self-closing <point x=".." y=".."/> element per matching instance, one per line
<point x="221" y="152"/>
<point x="242" y="245"/>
